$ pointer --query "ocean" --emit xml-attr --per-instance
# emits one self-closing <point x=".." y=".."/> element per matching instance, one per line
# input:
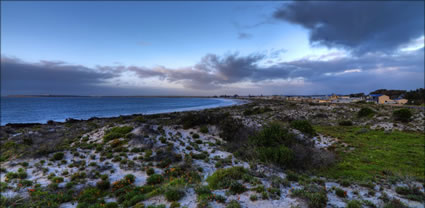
<point x="43" y="109"/>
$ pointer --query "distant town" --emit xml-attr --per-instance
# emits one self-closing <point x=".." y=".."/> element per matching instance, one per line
<point x="381" y="96"/>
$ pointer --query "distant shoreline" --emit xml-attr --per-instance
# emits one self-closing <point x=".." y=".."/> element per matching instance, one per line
<point x="109" y="96"/>
<point x="237" y="102"/>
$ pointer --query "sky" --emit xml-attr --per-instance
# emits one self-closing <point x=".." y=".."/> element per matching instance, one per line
<point x="210" y="48"/>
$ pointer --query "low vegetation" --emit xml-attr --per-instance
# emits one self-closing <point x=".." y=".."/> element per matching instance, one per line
<point x="375" y="153"/>
<point x="304" y="126"/>
<point x="272" y="144"/>
<point x="365" y="112"/>
<point x="403" y="115"/>
<point x="117" y="132"/>
<point x="237" y="156"/>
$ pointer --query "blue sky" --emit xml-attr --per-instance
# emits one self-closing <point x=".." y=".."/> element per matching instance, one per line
<point x="174" y="34"/>
<point x="163" y="47"/>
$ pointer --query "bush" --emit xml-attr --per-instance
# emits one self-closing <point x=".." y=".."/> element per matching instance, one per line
<point x="103" y="184"/>
<point x="315" y="195"/>
<point x="345" y="183"/>
<point x="304" y="126"/>
<point x="155" y="179"/>
<point x="291" y="176"/>
<point x="203" y="129"/>
<point x="272" y="135"/>
<point x="256" y="110"/>
<point x="174" y="205"/>
<point x="354" y="204"/>
<point x="89" y="195"/>
<point x="395" y="203"/>
<point x="230" y="128"/>
<point x="339" y="192"/>
<point x="402" y="115"/>
<point x="117" y="132"/>
<point x="345" y="123"/>
<point x="236" y="188"/>
<point x="58" y="156"/>
<point x="203" y="191"/>
<point x="130" y="178"/>
<point x="222" y="178"/>
<point x="271" y="144"/>
<point x="364" y="112"/>
<point x="174" y="194"/>
<point x="280" y="155"/>
<point x="411" y="192"/>
<point x="150" y="171"/>
<point x="111" y="205"/>
<point x="195" y="136"/>
<point x="233" y="204"/>
<point x="57" y="179"/>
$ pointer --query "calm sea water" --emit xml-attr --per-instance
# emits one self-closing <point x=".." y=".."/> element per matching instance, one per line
<point x="42" y="109"/>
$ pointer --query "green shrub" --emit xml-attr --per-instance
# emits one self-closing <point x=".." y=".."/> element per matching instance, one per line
<point x="174" y="194"/>
<point x="354" y="204"/>
<point x="402" y="115"/>
<point x="272" y="135"/>
<point x="222" y="178"/>
<point x="204" y="194"/>
<point x="57" y="179"/>
<point x="130" y="178"/>
<point x="339" y="192"/>
<point x="203" y="129"/>
<point x="150" y="171"/>
<point x="111" y="205"/>
<point x="256" y="110"/>
<point x="315" y="195"/>
<point x="174" y="205"/>
<point x="195" y="136"/>
<point x="230" y="128"/>
<point x="103" y="184"/>
<point x="155" y="179"/>
<point x="365" y="112"/>
<point x="345" y="183"/>
<point x="395" y="203"/>
<point x="291" y="176"/>
<point x="411" y="192"/>
<point x="345" y="123"/>
<point x="279" y="155"/>
<point x="58" y="156"/>
<point x="117" y="132"/>
<point x="304" y="126"/>
<point x="272" y="143"/>
<point x="89" y="195"/>
<point x="233" y="204"/>
<point x="236" y="188"/>
<point x="25" y="183"/>
<point x="24" y="164"/>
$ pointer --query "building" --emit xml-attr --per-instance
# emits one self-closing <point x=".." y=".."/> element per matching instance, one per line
<point x="380" y="99"/>
<point x="384" y="99"/>
<point x="401" y="101"/>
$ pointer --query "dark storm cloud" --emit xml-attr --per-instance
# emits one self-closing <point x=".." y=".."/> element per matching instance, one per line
<point x="361" y="26"/>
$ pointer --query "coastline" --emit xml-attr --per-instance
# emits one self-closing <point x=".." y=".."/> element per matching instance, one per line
<point x="236" y="102"/>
